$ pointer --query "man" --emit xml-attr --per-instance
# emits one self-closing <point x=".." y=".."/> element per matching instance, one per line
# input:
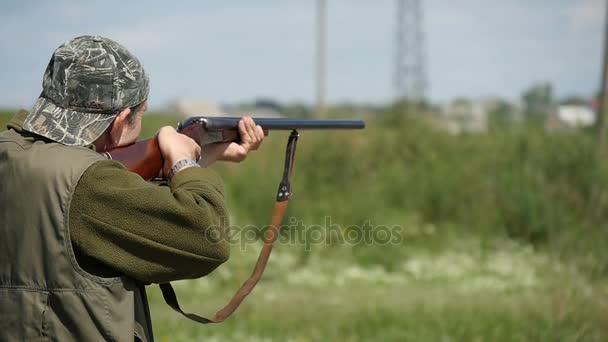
<point x="80" y="234"/>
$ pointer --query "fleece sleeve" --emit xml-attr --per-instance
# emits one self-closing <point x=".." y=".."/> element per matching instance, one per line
<point x="121" y="224"/>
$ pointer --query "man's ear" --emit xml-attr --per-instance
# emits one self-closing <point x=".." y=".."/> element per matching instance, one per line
<point x="118" y="125"/>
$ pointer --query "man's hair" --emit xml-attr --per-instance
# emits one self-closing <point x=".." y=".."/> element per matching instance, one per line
<point x="134" y="110"/>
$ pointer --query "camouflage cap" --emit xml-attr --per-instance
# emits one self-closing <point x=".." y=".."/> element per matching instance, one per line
<point x="88" y="81"/>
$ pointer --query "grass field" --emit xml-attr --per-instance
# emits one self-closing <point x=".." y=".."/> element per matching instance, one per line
<point x="496" y="242"/>
<point x="460" y="294"/>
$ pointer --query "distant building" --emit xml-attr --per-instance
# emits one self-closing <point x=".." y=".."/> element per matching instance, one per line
<point x="576" y="115"/>
<point x="189" y="107"/>
<point x="261" y="108"/>
<point x="470" y="116"/>
<point x="255" y="112"/>
<point x="463" y="115"/>
<point x="571" y="116"/>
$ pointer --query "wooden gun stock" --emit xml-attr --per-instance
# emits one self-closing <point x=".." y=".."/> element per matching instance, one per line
<point x="142" y="157"/>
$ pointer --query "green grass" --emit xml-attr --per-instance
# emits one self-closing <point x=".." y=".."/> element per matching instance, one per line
<point x="500" y="239"/>
<point x="396" y="314"/>
<point x="4" y="117"/>
<point x="460" y="297"/>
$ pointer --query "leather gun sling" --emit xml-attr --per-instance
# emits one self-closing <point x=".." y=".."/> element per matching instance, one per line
<point x="282" y="199"/>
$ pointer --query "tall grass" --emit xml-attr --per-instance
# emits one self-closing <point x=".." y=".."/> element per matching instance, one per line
<point x="521" y="183"/>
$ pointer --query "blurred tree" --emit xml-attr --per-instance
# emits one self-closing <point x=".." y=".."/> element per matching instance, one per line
<point x="297" y="110"/>
<point x="501" y="115"/>
<point x="462" y="101"/>
<point x="538" y="101"/>
<point x="267" y="103"/>
<point x="575" y="100"/>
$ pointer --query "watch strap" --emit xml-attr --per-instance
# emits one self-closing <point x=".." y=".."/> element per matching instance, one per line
<point x="180" y="165"/>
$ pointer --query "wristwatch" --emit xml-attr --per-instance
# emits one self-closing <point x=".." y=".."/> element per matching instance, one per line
<point x="180" y="165"/>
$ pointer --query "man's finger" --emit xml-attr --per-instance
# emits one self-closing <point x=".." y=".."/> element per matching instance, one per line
<point x="259" y="132"/>
<point x="250" y="125"/>
<point x="245" y="120"/>
<point x="243" y="131"/>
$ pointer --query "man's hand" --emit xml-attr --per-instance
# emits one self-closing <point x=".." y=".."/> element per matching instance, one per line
<point x="251" y="136"/>
<point x="175" y="147"/>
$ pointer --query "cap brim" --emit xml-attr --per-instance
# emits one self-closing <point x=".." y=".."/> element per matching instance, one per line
<point x="66" y="126"/>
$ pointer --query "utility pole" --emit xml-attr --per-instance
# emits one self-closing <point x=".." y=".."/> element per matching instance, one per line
<point x="602" y="119"/>
<point x="409" y="82"/>
<point x="598" y="194"/>
<point x="321" y="57"/>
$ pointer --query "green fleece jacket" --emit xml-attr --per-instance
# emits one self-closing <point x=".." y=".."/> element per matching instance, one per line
<point x="121" y="224"/>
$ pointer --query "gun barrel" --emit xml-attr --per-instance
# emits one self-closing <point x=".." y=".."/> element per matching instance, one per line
<point x="224" y="123"/>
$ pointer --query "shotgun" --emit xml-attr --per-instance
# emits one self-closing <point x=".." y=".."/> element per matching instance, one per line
<point x="144" y="158"/>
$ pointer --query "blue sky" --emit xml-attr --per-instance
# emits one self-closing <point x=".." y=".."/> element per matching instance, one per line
<point x="231" y="51"/>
